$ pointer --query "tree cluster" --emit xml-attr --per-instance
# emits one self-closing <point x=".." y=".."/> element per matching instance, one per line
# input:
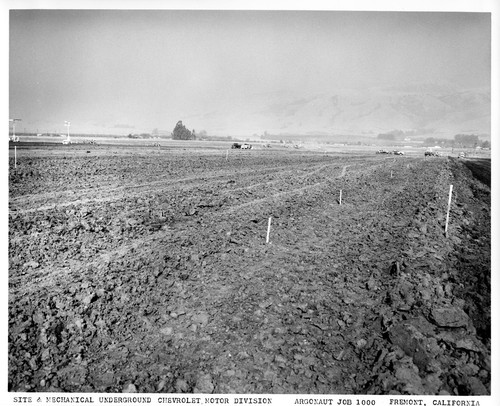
<point x="459" y="141"/>
<point x="467" y="140"/>
<point x="182" y="133"/>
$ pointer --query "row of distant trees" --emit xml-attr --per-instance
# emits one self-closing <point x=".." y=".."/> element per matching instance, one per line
<point x="459" y="141"/>
<point x="180" y="132"/>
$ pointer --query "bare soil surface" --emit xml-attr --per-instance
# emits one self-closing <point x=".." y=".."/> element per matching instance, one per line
<point x="148" y="271"/>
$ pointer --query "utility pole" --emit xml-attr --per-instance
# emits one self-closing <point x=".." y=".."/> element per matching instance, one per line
<point x="13" y="121"/>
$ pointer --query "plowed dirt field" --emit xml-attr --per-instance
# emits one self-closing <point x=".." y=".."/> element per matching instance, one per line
<point x="148" y="271"/>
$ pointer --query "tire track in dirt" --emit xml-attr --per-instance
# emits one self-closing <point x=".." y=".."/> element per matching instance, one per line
<point x="143" y="189"/>
<point x="227" y="210"/>
<point x="50" y="273"/>
<point x="104" y="188"/>
<point x="280" y="195"/>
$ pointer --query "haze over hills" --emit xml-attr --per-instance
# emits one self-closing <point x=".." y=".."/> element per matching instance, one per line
<point x="438" y="110"/>
<point x="424" y="109"/>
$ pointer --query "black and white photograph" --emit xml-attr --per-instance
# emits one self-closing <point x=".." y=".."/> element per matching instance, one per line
<point x="237" y="203"/>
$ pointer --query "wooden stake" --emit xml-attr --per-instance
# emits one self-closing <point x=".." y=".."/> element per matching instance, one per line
<point x="340" y="197"/>
<point x="448" y="211"/>
<point x="227" y="154"/>
<point x="391" y="174"/>
<point x="15" y="157"/>
<point x="268" y="230"/>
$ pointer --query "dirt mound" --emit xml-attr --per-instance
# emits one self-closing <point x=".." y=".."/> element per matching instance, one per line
<point x="480" y="168"/>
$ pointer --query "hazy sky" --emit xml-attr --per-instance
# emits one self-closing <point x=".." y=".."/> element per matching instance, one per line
<point x="106" y="70"/>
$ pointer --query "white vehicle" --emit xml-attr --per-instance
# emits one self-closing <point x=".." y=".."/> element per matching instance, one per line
<point x="246" y="146"/>
<point x="66" y="141"/>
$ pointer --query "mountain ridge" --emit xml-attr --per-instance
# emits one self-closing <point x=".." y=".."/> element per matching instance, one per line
<point x="437" y="109"/>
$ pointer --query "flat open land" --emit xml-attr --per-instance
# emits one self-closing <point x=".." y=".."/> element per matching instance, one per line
<point x="147" y="269"/>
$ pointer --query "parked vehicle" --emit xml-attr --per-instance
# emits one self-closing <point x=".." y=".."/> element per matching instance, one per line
<point x="237" y="145"/>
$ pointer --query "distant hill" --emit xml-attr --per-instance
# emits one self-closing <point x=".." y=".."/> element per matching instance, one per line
<point x="439" y="110"/>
